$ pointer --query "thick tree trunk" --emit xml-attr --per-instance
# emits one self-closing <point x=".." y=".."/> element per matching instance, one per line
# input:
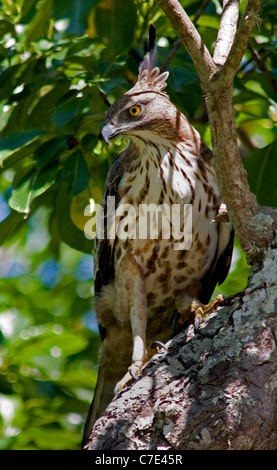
<point x="214" y="389"/>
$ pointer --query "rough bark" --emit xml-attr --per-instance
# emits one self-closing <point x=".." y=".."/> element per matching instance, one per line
<point x="214" y="389"/>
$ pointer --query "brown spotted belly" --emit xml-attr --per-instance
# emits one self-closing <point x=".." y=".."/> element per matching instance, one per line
<point x="168" y="272"/>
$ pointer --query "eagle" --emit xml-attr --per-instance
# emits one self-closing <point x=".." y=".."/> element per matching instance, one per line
<point x="153" y="263"/>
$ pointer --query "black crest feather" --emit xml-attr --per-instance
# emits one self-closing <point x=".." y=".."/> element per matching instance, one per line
<point x="149" y="77"/>
<point x="152" y="45"/>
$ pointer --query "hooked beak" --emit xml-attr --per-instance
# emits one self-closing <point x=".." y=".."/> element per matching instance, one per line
<point x="108" y="131"/>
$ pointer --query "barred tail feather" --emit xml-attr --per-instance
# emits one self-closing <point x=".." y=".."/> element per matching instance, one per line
<point x="103" y="394"/>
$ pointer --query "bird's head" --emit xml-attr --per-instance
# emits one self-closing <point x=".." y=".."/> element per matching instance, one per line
<point x="143" y="109"/>
<point x="136" y="115"/>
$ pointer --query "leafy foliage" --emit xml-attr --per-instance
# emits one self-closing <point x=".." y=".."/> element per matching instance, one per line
<point x="62" y="64"/>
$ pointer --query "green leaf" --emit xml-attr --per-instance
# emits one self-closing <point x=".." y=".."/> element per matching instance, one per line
<point x="10" y="224"/>
<point x="46" y="438"/>
<point x="49" y="151"/>
<point x="41" y="114"/>
<point x="8" y="80"/>
<point x="261" y="169"/>
<point x="37" y="25"/>
<point x="18" y="146"/>
<point x="32" y="186"/>
<point x="69" y="233"/>
<point x="75" y="13"/>
<point x="68" y="109"/>
<point x="109" y="19"/>
<point x="37" y="350"/>
<point x="209" y="21"/>
<point x="6" y="27"/>
<point x="75" y="173"/>
<point x="107" y="85"/>
<point x="238" y="276"/>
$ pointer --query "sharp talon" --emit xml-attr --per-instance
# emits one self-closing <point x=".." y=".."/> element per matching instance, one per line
<point x="135" y="369"/>
<point x="198" y="316"/>
<point x="158" y="344"/>
<point x="175" y="321"/>
<point x="116" y="390"/>
<point x="197" y="321"/>
<point x="133" y="373"/>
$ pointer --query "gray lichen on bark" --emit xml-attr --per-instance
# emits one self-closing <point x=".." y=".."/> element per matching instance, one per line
<point x="213" y="389"/>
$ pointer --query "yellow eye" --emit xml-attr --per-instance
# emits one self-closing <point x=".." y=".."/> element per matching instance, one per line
<point x="134" y="111"/>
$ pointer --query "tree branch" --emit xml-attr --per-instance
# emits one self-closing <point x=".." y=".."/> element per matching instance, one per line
<point x="227" y="31"/>
<point x="190" y="37"/>
<point x="241" y="203"/>
<point x="249" y="18"/>
<point x="254" y="226"/>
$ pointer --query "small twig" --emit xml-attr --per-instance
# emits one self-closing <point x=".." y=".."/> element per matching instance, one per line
<point x="200" y="11"/>
<point x="259" y="61"/>
<point x="176" y="47"/>
<point x="246" y="139"/>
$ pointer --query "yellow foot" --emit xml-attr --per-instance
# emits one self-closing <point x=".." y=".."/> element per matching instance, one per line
<point x="153" y="349"/>
<point x="135" y="369"/>
<point x="200" y="310"/>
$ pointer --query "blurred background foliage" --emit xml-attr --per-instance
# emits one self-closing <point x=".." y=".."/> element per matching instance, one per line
<point x="62" y="64"/>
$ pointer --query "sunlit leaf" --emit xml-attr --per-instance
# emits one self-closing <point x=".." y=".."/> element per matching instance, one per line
<point x="18" y="145"/>
<point x="38" y="24"/>
<point x="47" y="437"/>
<point x="42" y="349"/>
<point x="209" y="21"/>
<point x="32" y="186"/>
<point x="74" y="13"/>
<point x="10" y="224"/>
